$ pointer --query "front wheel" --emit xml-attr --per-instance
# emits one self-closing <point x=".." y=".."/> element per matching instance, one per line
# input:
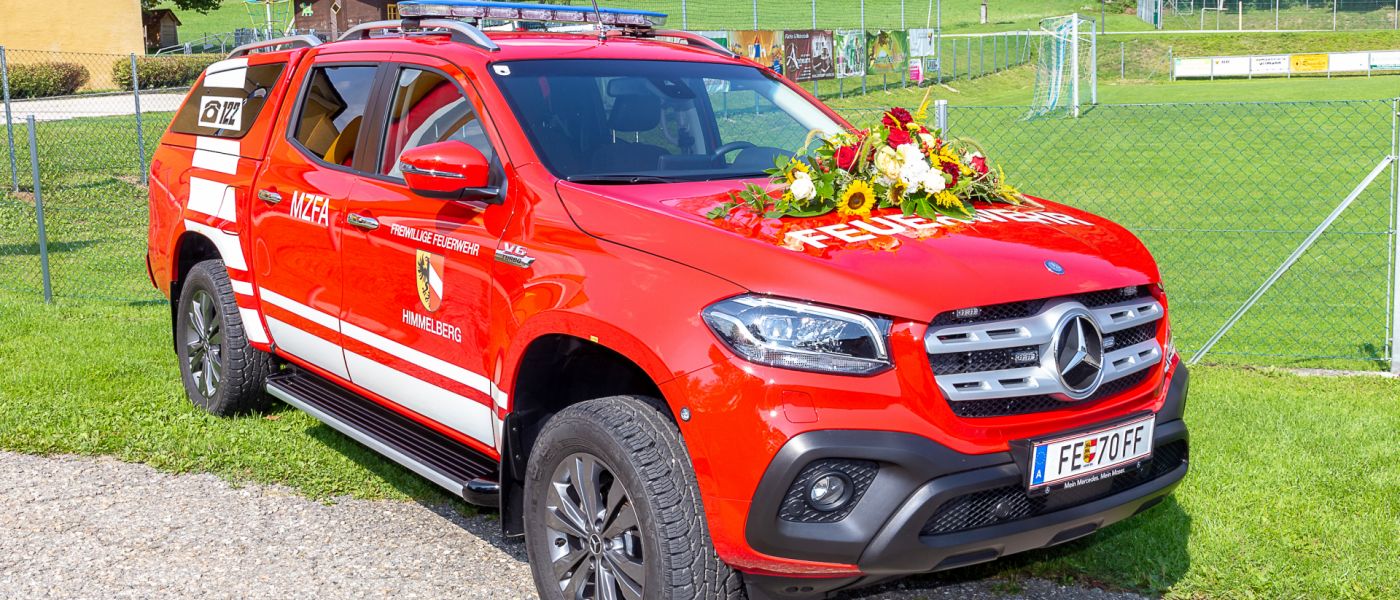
<point x="613" y="510"/>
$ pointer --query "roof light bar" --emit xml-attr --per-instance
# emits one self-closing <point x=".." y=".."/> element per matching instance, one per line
<point x="515" y="11"/>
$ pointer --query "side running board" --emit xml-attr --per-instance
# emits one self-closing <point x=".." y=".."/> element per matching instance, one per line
<point x="457" y="468"/>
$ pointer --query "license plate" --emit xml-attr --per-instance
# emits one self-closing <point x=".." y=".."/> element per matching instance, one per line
<point x="1088" y="457"/>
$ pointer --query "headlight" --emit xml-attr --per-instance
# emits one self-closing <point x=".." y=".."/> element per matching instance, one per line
<point x="793" y="335"/>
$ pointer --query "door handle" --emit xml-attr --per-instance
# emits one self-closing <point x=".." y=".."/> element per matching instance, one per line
<point x="363" y="222"/>
<point x="269" y="196"/>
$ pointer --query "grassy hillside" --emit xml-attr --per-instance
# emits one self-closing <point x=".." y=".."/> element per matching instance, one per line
<point x="958" y="15"/>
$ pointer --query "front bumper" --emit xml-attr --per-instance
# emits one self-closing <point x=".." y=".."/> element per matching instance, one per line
<point x="930" y="508"/>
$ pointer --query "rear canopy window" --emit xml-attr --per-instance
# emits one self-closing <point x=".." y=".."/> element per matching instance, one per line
<point x="227" y="103"/>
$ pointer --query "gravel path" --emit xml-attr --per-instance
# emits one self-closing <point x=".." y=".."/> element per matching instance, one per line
<point x="100" y="528"/>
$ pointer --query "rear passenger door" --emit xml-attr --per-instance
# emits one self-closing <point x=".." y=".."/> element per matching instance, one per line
<point x="299" y="206"/>
<point x="417" y="269"/>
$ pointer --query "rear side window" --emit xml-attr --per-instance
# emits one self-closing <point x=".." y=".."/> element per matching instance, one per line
<point x="332" y="112"/>
<point x="227" y="103"/>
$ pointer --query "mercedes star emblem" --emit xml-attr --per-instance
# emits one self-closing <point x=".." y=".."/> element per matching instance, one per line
<point x="1078" y="354"/>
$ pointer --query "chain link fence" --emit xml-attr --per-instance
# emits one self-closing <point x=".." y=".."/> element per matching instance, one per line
<point x="1270" y="15"/>
<point x="1221" y="193"/>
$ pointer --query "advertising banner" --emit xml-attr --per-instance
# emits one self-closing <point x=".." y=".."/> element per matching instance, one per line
<point x="1308" y="63"/>
<point x="923" y="43"/>
<point x="766" y="47"/>
<point x="850" y="53"/>
<point x="1230" y="66"/>
<point x="1269" y="65"/>
<point x="1385" y="61"/>
<point x="916" y="71"/>
<point x="1349" y="62"/>
<point x="1191" y="67"/>
<point x="809" y="55"/>
<point x="889" y="52"/>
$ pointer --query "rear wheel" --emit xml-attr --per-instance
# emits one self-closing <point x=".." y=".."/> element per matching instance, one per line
<point x="222" y="373"/>
<point x="613" y="511"/>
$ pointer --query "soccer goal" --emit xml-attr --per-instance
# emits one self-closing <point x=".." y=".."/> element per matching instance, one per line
<point x="1066" y="70"/>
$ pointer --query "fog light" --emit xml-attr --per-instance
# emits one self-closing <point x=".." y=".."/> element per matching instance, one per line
<point x="829" y="492"/>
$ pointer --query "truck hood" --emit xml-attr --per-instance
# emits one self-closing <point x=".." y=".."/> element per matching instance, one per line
<point x="885" y="263"/>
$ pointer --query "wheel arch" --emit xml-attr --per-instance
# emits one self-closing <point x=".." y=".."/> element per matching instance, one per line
<point x="190" y="249"/>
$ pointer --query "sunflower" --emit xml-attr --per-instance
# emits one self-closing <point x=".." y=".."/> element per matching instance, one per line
<point x="796" y="165"/>
<point x="895" y="194"/>
<point x="857" y="200"/>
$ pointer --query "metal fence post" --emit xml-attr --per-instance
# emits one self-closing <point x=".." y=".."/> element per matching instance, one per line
<point x="39" y="211"/>
<point x="940" y="117"/>
<point x="755" y="15"/>
<point x="1393" y="317"/>
<point x="140" y="133"/>
<point x="9" y="120"/>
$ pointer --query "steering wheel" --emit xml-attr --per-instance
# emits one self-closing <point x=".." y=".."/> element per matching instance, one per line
<point x="718" y="154"/>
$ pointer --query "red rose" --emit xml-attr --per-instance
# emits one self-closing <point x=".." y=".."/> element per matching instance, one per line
<point x="952" y="170"/>
<point x="897" y="118"/>
<point x="898" y="137"/>
<point x="845" y="157"/>
<point x="979" y="164"/>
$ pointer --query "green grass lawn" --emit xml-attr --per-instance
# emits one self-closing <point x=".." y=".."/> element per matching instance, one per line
<point x="1293" y="491"/>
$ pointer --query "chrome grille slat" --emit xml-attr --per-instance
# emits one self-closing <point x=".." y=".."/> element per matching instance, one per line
<point x="959" y="348"/>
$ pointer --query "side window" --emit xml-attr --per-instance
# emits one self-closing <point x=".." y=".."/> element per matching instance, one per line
<point x="426" y="108"/>
<point x="227" y="103"/>
<point x="333" y="110"/>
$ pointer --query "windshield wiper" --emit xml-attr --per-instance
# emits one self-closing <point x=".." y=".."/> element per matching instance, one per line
<point x="620" y="179"/>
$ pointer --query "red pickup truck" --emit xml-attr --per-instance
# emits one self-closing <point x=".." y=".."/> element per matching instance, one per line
<point x="487" y="256"/>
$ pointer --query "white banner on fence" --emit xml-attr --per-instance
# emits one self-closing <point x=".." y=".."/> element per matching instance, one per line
<point x="1284" y="64"/>
<point x="1349" y="62"/>
<point x="1192" y="67"/>
<point x="1269" y="65"/>
<point x="1230" y="66"/>
<point x="923" y="42"/>
<point x="1385" y="61"/>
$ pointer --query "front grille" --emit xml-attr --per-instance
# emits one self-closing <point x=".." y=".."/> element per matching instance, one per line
<point x="1020" y="405"/>
<point x="1026" y="308"/>
<point x="795" y="507"/>
<point x="1012" y="502"/>
<point x="998" y="362"/>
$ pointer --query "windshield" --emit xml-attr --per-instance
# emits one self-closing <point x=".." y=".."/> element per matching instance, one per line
<point x="630" y="121"/>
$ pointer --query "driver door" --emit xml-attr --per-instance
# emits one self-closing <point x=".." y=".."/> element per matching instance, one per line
<point x="417" y="269"/>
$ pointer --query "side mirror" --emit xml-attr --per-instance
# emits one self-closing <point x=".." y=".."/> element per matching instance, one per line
<point x="451" y="170"/>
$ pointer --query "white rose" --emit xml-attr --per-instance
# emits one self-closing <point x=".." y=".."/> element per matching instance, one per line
<point x="928" y="139"/>
<point x="888" y="162"/>
<point x="933" y="182"/>
<point x="802" y="187"/>
<point x="913" y="173"/>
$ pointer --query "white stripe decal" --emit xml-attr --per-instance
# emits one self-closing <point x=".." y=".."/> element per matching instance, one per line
<point x="472" y="380"/>
<point x="228" y="64"/>
<point x="308" y="347"/>
<point x="232" y="78"/>
<point x="431" y="363"/>
<point x="212" y="198"/>
<point x="241" y="287"/>
<point x="252" y="325"/>
<point x="300" y="310"/>
<point x="229" y="247"/>
<point x="460" y="413"/>
<point x="217" y="154"/>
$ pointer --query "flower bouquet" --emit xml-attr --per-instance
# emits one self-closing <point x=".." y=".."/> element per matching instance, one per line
<point x="899" y="163"/>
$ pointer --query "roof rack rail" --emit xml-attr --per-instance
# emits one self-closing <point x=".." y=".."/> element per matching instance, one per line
<point x="692" y="39"/>
<point x="461" y="32"/>
<point x="295" y="41"/>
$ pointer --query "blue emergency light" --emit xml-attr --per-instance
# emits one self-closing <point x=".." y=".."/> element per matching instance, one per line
<point x="516" y="11"/>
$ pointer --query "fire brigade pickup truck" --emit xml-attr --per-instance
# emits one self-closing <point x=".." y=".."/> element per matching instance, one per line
<point x="486" y="256"/>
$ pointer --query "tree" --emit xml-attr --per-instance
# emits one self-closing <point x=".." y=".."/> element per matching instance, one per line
<point x="202" y="6"/>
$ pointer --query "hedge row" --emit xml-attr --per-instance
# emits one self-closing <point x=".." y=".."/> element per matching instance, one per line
<point x="44" y="79"/>
<point x="163" y="71"/>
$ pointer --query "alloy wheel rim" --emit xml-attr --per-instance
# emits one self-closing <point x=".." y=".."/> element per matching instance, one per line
<point x="204" y="342"/>
<point x="594" y="539"/>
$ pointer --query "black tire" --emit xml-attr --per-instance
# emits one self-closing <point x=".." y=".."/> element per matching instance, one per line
<point x="636" y="445"/>
<point x="239" y="370"/>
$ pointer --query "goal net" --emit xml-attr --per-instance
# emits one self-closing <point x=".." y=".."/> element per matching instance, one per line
<point x="1065" y="68"/>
